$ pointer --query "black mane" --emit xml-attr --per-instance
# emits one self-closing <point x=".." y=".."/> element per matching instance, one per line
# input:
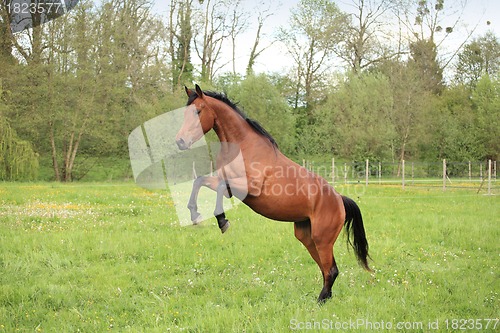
<point x="223" y="98"/>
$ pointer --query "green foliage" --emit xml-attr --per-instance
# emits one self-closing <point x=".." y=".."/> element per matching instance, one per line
<point x="356" y="119"/>
<point x="81" y="83"/>
<point x="260" y="100"/>
<point x="18" y="161"/>
<point x="412" y="108"/>
<point x="464" y="125"/>
<point x="96" y="81"/>
<point x="316" y="28"/>
<point x="181" y="29"/>
<point x="486" y="99"/>
<point x="425" y="62"/>
<point x="479" y="57"/>
<point x="454" y="136"/>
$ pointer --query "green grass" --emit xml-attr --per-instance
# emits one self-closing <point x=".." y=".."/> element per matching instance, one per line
<point x="112" y="257"/>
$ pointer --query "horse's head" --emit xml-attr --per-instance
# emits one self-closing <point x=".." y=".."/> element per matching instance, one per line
<point x="198" y="119"/>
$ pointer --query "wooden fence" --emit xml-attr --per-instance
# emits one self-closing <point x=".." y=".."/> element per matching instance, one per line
<point x="478" y="175"/>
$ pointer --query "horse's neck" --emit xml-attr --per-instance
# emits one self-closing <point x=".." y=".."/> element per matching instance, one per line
<point x="230" y="126"/>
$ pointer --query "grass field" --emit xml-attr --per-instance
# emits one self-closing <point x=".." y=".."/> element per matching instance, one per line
<point x="112" y="257"/>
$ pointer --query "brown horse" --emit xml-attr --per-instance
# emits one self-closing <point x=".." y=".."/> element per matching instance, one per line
<point x="270" y="183"/>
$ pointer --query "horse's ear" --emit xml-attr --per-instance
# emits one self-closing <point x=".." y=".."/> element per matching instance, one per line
<point x="188" y="91"/>
<point x="199" y="92"/>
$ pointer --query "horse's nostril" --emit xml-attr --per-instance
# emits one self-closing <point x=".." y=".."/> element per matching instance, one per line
<point x="181" y="143"/>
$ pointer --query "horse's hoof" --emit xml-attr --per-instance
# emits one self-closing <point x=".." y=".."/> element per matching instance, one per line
<point x="197" y="220"/>
<point x="226" y="226"/>
<point x="323" y="297"/>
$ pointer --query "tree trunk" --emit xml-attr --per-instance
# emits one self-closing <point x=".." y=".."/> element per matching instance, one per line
<point x="55" y="165"/>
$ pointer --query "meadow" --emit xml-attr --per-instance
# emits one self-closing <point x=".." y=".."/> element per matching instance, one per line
<point x="97" y="257"/>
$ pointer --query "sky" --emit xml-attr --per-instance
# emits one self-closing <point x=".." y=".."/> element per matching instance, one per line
<point x="275" y="58"/>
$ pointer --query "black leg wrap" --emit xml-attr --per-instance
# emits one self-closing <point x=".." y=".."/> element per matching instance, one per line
<point x="222" y="222"/>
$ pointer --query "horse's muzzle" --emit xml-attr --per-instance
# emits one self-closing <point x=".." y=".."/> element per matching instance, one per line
<point x="181" y="144"/>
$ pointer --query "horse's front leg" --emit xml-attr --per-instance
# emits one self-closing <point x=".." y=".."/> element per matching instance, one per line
<point x="208" y="181"/>
<point x="222" y="189"/>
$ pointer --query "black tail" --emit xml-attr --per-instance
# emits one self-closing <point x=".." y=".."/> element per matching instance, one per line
<point x="354" y="228"/>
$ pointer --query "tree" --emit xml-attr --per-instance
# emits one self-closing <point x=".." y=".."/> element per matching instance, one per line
<point x="486" y="99"/>
<point x="238" y="25"/>
<point x="98" y="69"/>
<point x="429" y="24"/>
<point x="255" y="52"/>
<point x="424" y="61"/>
<point x="412" y="105"/>
<point x="260" y="100"/>
<point x="18" y="160"/>
<point x="316" y="27"/>
<point x="463" y="125"/>
<point x="479" y="57"/>
<point x="45" y="97"/>
<point x="6" y="38"/>
<point x="180" y="37"/>
<point x="356" y="121"/>
<point x="214" y="28"/>
<point x="450" y="129"/>
<point x="363" y="46"/>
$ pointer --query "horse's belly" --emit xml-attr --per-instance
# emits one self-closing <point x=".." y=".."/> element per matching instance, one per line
<point x="293" y="199"/>
<point x="278" y="209"/>
<point x="286" y="191"/>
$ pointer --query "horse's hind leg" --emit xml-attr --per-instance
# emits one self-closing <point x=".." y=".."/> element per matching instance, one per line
<point x="329" y="276"/>
<point x="303" y="234"/>
<point x="318" y="238"/>
<point x="324" y="235"/>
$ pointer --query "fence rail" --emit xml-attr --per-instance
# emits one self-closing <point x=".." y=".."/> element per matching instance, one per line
<point x="476" y="175"/>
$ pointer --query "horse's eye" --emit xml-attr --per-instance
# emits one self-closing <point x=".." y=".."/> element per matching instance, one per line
<point x="198" y="112"/>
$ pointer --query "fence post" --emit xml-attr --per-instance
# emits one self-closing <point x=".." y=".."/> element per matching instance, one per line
<point x="345" y="173"/>
<point x="444" y="174"/>
<point x="403" y="174"/>
<point x="412" y="173"/>
<point x="470" y="171"/>
<point x="333" y="170"/>
<point x="489" y="177"/>
<point x="367" y="172"/>
<point x="379" y="173"/>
